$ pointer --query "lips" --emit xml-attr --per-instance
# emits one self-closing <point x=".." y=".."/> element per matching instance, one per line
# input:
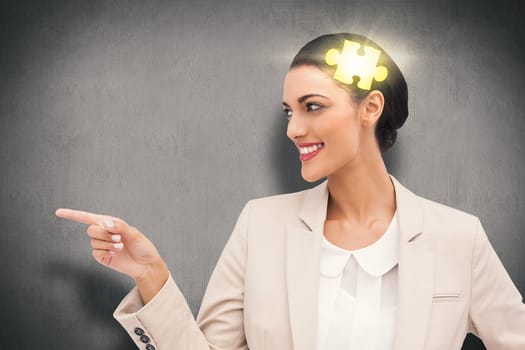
<point x="308" y="150"/>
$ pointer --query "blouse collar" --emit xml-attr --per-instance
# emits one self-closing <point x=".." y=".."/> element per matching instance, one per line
<point x="376" y="259"/>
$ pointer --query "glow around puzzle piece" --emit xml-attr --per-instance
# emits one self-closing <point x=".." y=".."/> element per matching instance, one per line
<point x="350" y="63"/>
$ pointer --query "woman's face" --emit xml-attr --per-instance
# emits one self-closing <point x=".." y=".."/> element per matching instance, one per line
<point x="323" y="121"/>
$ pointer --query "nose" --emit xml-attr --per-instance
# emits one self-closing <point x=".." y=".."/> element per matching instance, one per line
<point x="296" y="128"/>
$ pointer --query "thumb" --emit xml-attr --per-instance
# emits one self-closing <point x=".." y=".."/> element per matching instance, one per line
<point x="115" y="225"/>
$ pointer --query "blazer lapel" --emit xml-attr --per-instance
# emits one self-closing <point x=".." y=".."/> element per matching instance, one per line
<point x="303" y="247"/>
<point x="415" y="269"/>
<point x="415" y="272"/>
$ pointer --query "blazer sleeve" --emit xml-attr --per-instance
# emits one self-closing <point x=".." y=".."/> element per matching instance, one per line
<point x="497" y="312"/>
<point x="166" y="320"/>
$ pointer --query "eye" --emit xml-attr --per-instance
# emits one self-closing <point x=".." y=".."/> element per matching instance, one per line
<point x="313" y="106"/>
<point x="287" y="113"/>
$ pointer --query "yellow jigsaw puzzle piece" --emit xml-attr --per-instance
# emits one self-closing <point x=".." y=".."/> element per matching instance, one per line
<point x="350" y="63"/>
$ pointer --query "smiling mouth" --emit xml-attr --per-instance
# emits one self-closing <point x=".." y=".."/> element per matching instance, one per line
<point x="306" y="153"/>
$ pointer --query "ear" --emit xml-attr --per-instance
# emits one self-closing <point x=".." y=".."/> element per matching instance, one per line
<point x="373" y="106"/>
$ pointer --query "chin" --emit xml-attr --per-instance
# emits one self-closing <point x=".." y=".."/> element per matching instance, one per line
<point x="312" y="177"/>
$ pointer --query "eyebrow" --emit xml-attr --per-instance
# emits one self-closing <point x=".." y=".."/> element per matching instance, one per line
<point x="304" y="97"/>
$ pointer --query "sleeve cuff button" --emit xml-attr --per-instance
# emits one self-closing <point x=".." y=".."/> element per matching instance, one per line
<point x="144" y="338"/>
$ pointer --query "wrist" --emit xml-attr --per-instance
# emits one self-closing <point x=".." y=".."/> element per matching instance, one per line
<point x="152" y="280"/>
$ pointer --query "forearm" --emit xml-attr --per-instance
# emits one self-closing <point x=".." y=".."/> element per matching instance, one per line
<point x="150" y="283"/>
<point x="158" y="307"/>
<point x="497" y="311"/>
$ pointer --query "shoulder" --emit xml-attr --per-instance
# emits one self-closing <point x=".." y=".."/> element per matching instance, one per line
<point x="272" y="212"/>
<point x="279" y="200"/>
<point x="447" y="222"/>
<point x="440" y="210"/>
<point x="278" y="205"/>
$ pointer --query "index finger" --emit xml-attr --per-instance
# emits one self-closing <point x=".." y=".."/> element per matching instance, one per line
<point x="83" y="217"/>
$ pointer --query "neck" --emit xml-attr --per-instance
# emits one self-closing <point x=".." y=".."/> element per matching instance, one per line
<point x="361" y="192"/>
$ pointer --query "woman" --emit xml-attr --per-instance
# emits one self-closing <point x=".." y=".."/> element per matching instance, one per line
<point x="357" y="262"/>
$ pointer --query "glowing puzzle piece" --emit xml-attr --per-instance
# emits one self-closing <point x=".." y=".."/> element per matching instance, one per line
<point x="350" y="63"/>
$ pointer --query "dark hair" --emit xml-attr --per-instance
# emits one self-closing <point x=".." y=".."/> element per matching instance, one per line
<point x="394" y="87"/>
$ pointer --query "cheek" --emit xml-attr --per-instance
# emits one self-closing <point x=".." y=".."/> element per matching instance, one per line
<point x="341" y="135"/>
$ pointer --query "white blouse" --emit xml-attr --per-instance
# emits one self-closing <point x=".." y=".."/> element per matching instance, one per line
<point x="358" y="294"/>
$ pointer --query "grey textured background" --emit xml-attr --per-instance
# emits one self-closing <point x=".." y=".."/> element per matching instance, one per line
<point x="167" y="114"/>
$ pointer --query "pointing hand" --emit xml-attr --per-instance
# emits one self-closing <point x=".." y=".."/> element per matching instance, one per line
<point x="116" y="244"/>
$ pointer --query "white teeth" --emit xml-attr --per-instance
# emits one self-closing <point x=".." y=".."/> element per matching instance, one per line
<point x="310" y="149"/>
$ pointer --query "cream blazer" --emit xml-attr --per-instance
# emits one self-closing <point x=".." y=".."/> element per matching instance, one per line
<point x="262" y="294"/>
